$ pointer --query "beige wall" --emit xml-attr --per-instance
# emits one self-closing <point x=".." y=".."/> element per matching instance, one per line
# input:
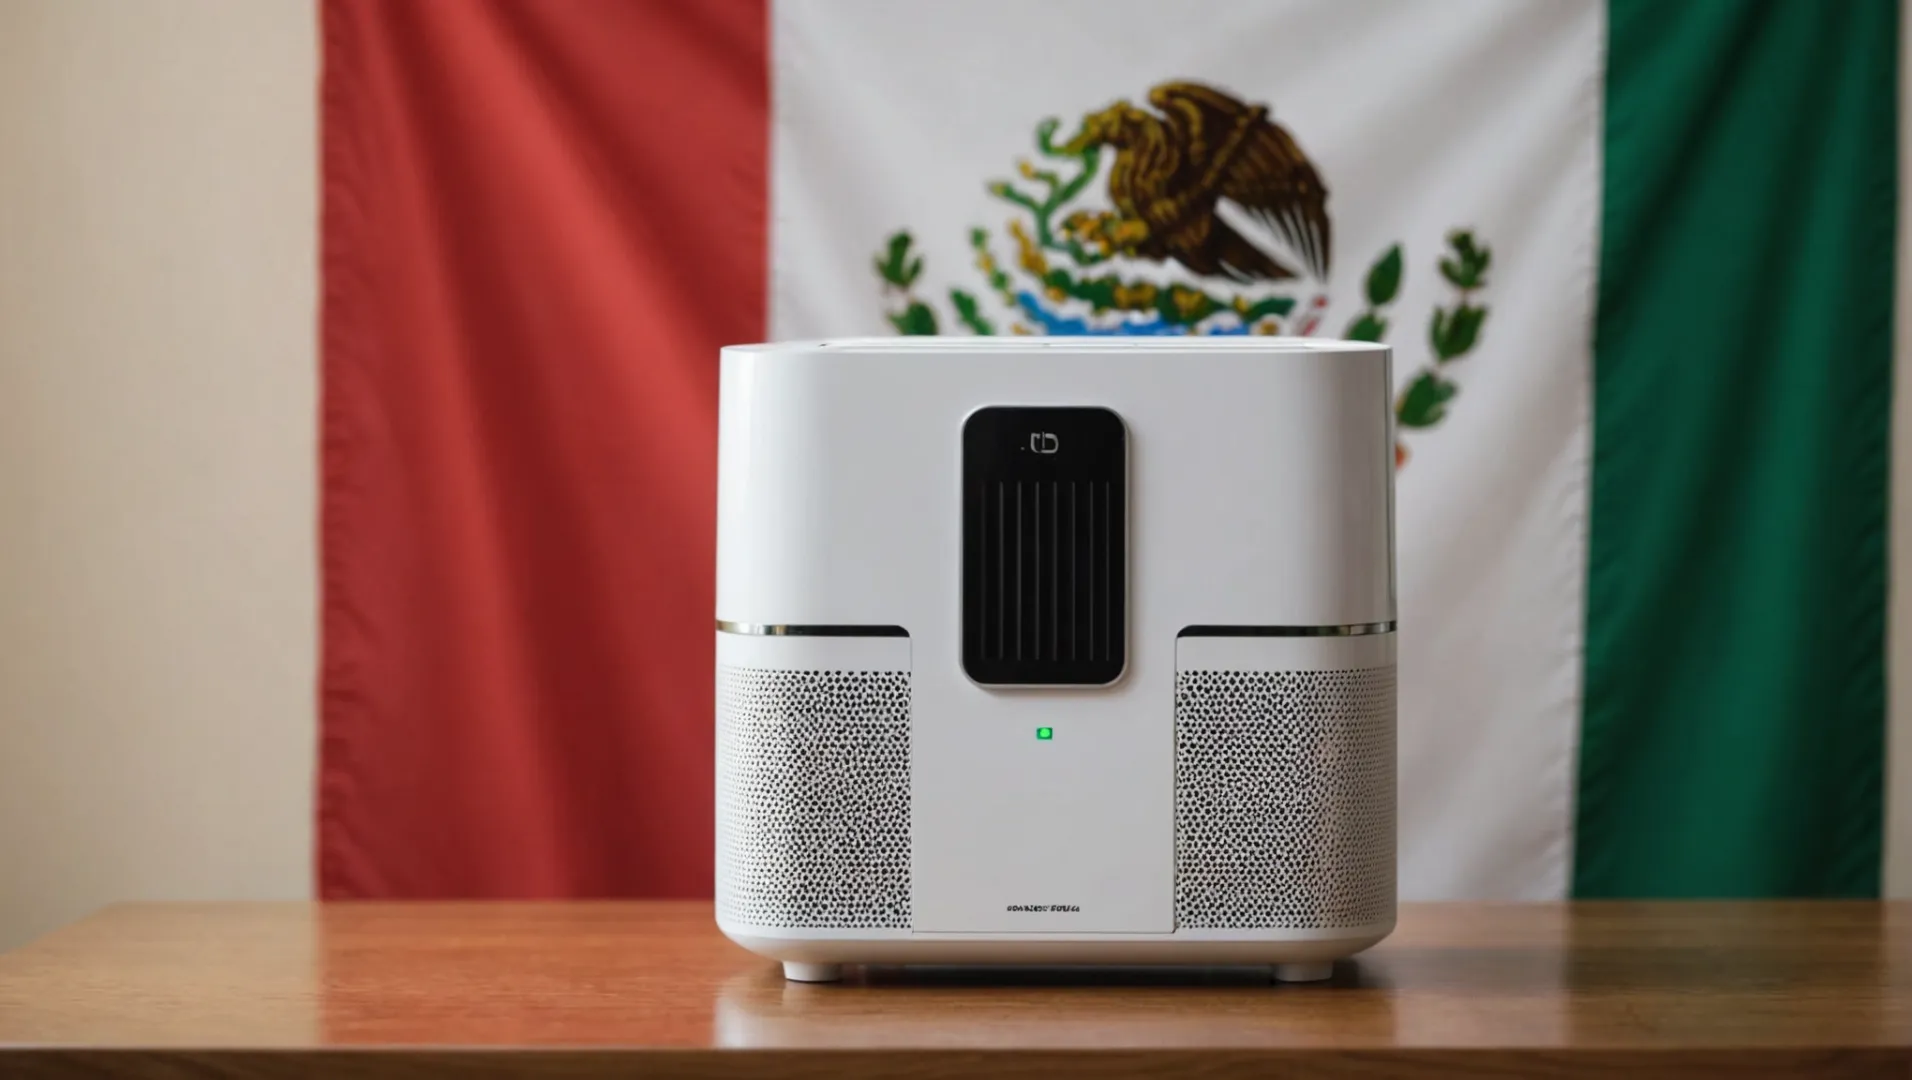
<point x="157" y="381"/>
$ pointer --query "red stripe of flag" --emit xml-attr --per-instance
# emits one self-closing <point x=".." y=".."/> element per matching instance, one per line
<point x="540" y="222"/>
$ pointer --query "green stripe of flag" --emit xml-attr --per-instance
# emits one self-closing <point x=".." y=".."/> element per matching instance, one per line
<point x="1736" y="598"/>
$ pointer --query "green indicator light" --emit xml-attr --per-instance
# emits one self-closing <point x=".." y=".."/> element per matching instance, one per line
<point x="1045" y="733"/>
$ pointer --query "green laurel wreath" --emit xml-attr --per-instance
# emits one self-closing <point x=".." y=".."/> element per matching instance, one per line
<point x="1452" y="331"/>
<point x="899" y="268"/>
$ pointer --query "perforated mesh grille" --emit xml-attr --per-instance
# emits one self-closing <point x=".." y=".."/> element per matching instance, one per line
<point x="813" y="798"/>
<point x="1284" y="798"/>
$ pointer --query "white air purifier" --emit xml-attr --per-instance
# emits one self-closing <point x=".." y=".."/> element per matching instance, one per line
<point x="1056" y="651"/>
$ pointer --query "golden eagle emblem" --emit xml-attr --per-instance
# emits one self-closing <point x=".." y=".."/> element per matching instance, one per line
<point x="1214" y="223"/>
<point x="1174" y="174"/>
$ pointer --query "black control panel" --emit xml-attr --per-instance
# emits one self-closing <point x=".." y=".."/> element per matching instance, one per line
<point x="1045" y="546"/>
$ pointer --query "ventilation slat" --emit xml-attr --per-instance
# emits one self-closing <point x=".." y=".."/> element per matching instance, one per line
<point x="1055" y="570"/>
<point x="1002" y="570"/>
<point x="1106" y="576"/>
<point x="1019" y="591"/>
<point x="1088" y="558"/>
<point x="1038" y="592"/>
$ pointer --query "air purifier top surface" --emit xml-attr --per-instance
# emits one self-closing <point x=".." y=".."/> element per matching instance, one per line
<point x="1255" y="487"/>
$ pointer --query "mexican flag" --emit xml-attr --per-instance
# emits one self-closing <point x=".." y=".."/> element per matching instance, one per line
<point x="1635" y="260"/>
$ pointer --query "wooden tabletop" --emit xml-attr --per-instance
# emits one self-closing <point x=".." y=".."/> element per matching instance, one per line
<point x="578" y="990"/>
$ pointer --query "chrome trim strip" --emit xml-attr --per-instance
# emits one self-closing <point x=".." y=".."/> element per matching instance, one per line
<point x="809" y="630"/>
<point x="1351" y="630"/>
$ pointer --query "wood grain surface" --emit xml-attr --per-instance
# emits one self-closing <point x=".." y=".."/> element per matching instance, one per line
<point x="599" y="989"/>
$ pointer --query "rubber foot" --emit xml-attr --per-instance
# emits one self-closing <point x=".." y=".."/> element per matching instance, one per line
<point x="1315" y="972"/>
<point x="796" y="972"/>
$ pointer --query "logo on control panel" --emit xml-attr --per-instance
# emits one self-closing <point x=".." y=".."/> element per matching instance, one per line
<point x="1044" y="442"/>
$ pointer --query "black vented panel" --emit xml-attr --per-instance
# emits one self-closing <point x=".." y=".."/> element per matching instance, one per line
<point x="1044" y="546"/>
